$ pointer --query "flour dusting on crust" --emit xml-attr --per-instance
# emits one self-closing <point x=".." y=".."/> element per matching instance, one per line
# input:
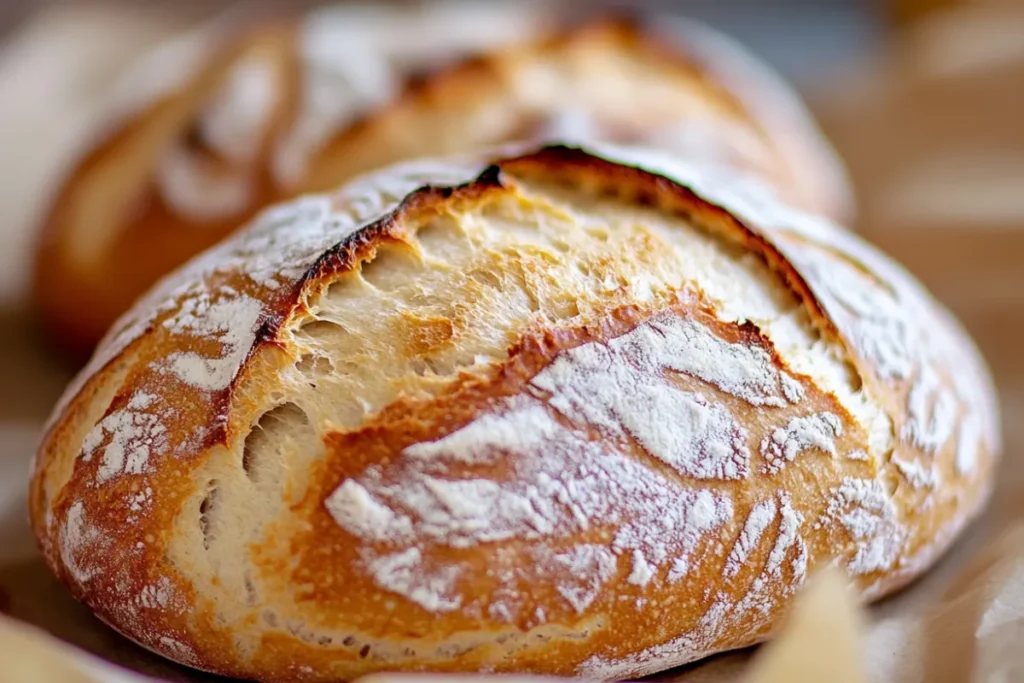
<point x="615" y="480"/>
<point x="762" y="515"/>
<point x="931" y="411"/>
<point x="353" y="57"/>
<point x="564" y="483"/>
<point x="968" y="444"/>
<point x="785" y="566"/>
<point x="918" y="474"/>
<point x="867" y="512"/>
<point x="589" y="568"/>
<point x="623" y="388"/>
<point x="131" y="434"/>
<point x="273" y="253"/>
<point x="404" y="574"/>
<point x="231" y="321"/>
<point x="812" y="432"/>
<point x="78" y="539"/>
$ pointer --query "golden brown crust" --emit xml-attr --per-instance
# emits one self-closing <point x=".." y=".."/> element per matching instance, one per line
<point x="172" y="181"/>
<point x="196" y="495"/>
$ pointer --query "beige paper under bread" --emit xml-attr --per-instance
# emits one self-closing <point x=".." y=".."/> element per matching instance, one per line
<point x="961" y="623"/>
<point x="821" y="639"/>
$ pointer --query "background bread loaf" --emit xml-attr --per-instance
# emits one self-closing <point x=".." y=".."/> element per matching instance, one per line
<point x="580" y="411"/>
<point x="290" y="108"/>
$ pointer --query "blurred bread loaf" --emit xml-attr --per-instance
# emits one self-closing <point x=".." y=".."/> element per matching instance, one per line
<point x="215" y="127"/>
<point x="570" y="410"/>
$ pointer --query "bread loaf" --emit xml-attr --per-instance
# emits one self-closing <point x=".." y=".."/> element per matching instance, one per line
<point x="289" y="109"/>
<point x="577" y="411"/>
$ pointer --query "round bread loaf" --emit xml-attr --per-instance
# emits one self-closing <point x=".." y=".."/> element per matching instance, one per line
<point x="284" y="110"/>
<point x="576" y="411"/>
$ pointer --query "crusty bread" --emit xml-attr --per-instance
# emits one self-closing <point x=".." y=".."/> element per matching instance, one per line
<point x="579" y="411"/>
<point x="276" y="113"/>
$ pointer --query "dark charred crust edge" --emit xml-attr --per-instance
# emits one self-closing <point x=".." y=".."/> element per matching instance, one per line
<point x="358" y="246"/>
<point x="558" y="162"/>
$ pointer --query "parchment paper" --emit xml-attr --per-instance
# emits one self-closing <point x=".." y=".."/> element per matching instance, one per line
<point x="935" y="144"/>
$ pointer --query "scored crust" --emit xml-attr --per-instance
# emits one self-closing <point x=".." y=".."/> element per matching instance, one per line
<point x="293" y="108"/>
<point x="579" y="411"/>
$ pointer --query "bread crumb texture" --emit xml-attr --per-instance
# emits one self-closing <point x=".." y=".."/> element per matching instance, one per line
<point x="576" y="411"/>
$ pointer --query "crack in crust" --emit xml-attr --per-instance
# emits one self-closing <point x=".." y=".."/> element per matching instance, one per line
<point x="646" y="391"/>
<point x="295" y="107"/>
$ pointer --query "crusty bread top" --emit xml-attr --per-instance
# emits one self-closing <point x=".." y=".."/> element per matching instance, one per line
<point x="659" y="81"/>
<point x="297" y="108"/>
<point x="254" y="472"/>
<point x="217" y="125"/>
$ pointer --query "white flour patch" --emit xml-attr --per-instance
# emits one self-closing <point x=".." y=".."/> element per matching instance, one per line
<point x="917" y="474"/>
<point x="743" y="370"/>
<point x="156" y="596"/>
<point x="801" y="434"/>
<point x="880" y="329"/>
<point x="499" y="611"/>
<point x="354" y="508"/>
<point x="758" y="521"/>
<point x="139" y="501"/>
<point x="642" y="572"/>
<point x="791" y="388"/>
<point x="232" y="321"/>
<point x="77" y="541"/>
<point x="198" y="190"/>
<point x="931" y="411"/>
<point x="788" y="538"/>
<point x="865" y="509"/>
<point x="622" y="388"/>
<point x="679" y="569"/>
<point x="179" y="650"/>
<point x="499" y="431"/>
<point x="767" y="593"/>
<point x="586" y="569"/>
<point x="686" y="346"/>
<point x="562" y="483"/>
<point x="235" y="119"/>
<point x="685" y="431"/>
<point x="968" y="445"/>
<point x="403" y="573"/>
<point x="131" y="436"/>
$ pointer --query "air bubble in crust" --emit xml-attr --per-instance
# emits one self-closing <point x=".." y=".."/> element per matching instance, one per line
<point x="391" y="267"/>
<point x="207" y="508"/>
<point x="267" y="435"/>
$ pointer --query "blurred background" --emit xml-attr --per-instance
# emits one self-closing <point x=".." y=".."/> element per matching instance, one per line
<point x="801" y="37"/>
<point x="924" y="99"/>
